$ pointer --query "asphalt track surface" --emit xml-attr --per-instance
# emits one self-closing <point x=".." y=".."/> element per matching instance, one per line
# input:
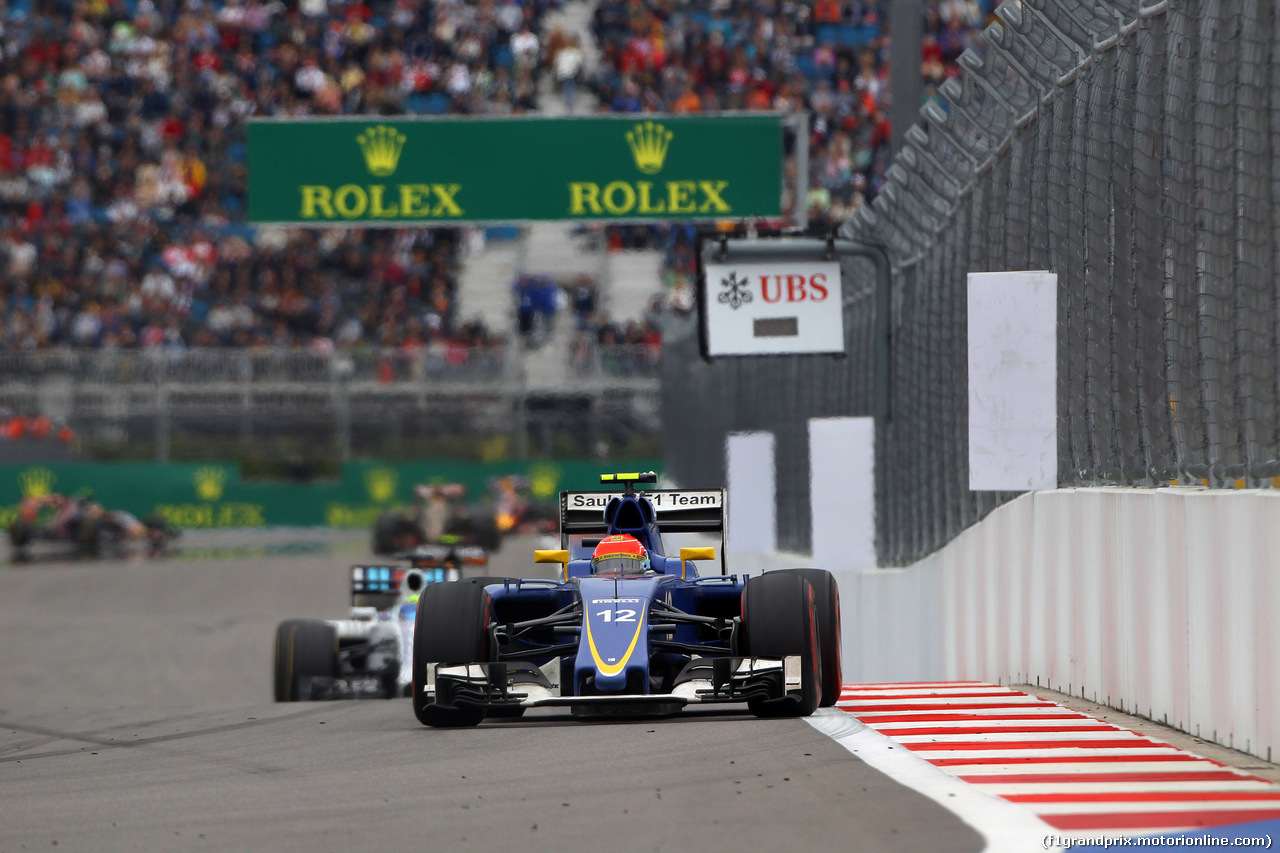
<point x="136" y="714"/>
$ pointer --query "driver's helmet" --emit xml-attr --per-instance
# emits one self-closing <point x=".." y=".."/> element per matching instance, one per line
<point x="620" y="555"/>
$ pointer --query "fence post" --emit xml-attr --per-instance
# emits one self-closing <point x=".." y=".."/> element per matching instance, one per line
<point x="342" y="410"/>
<point x="246" y="395"/>
<point x="162" y="409"/>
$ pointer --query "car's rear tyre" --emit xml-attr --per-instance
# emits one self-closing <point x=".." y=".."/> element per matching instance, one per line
<point x="487" y="534"/>
<point x="826" y="600"/>
<point x="88" y="533"/>
<point x="393" y="533"/>
<point x="779" y="620"/>
<point x="306" y="649"/>
<point x="452" y="627"/>
<point x="20" y="535"/>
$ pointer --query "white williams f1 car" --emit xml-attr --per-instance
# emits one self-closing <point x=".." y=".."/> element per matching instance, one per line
<point x="368" y="655"/>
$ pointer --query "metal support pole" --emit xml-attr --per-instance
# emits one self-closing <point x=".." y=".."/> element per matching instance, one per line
<point x="162" y="410"/>
<point x="906" y="33"/>
<point x="799" y="124"/>
<point x="246" y="398"/>
<point x="342" y="412"/>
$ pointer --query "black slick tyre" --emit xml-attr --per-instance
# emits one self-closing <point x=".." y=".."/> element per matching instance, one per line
<point x="306" y="649"/>
<point x="503" y="712"/>
<point x="779" y="620"/>
<point x="88" y="534"/>
<point x="826" y="601"/>
<point x="393" y="532"/>
<point x="20" y="535"/>
<point x="452" y="627"/>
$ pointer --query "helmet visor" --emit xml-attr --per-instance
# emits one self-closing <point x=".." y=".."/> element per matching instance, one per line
<point x="627" y="565"/>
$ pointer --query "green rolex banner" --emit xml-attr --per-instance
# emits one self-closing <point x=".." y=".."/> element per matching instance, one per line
<point x="376" y="171"/>
<point x="212" y="494"/>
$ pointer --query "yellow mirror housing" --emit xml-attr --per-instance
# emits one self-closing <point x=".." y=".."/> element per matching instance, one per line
<point x="561" y="557"/>
<point x="687" y="554"/>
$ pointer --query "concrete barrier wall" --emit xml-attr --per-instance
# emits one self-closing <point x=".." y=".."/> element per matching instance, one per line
<point x="1163" y="603"/>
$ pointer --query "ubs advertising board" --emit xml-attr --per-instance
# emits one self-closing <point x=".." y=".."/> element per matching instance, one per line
<point x="362" y="171"/>
<point x="773" y="308"/>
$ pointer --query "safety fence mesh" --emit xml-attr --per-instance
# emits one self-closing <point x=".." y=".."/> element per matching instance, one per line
<point x="1133" y="148"/>
<point x="383" y="402"/>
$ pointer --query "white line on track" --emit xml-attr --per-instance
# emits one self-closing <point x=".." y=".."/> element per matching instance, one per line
<point x="966" y="724"/>
<point x="1011" y="788"/>
<point x="1006" y="827"/>
<point x="1135" y="766"/>
<point x="1048" y="752"/>
<point x="997" y="738"/>
<point x="1144" y="806"/>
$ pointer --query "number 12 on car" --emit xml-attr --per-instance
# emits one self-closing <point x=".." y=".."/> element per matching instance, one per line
<point x="622" y="615"/>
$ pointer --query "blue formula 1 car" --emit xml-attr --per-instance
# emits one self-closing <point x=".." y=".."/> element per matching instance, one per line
<point x="627" y="628"/>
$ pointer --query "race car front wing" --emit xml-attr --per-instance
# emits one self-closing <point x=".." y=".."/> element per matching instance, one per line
<point x="702" y="681"/>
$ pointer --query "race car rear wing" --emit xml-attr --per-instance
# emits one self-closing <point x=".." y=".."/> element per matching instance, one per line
<point x="381" y="586"/>
<point x="431" y="556"/>
<point x="677" y="510"/>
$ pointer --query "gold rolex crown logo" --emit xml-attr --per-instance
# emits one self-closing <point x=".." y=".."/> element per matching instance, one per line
<point x="381" y="146"/>
<point x="649" y="143"/>
<point x="381" y="483"/>
<point x="36" y="482"/>
<point x="209" y="483"/>
<point x="543" y="480"/>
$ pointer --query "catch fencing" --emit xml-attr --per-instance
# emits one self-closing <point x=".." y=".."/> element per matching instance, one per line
<point x="394" y="403"/>
<point x="1131" y="147"/>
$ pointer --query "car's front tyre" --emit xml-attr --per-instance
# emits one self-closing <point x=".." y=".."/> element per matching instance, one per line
<point x="826" y="600"/>
<point x="452" y="627"/>
<point x="779" y="620"/>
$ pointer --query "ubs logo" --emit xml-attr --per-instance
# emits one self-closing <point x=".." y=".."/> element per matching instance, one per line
<point x="737" y="291"/>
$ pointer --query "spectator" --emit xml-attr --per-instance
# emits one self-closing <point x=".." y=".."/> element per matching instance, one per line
<point x="568" y="62"/>
<point x="123" y="175"/>
<point x="828" y="57"/>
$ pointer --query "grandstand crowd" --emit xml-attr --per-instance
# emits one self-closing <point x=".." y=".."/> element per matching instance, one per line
<point x="122" y="146"/>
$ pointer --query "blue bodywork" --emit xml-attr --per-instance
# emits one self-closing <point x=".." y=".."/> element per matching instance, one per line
<point x="626" y="637"/>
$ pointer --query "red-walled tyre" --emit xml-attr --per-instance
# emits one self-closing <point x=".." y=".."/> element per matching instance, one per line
<point x="826" y="599"/>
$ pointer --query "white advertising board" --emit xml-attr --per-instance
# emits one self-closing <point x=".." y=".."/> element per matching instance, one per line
<point x="749" y="460"/>
<point x="1013" y="381"/>
<point x="773" y="308"/>
<point x="842" y="493"/>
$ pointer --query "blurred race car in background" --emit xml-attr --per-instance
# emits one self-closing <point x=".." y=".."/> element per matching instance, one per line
<point x="627" y="629"/>
<point x="439" y="511"/>
<point x="85" y="525"/>
<point x="369" y="654"/>
<point x="442" y="514"/>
